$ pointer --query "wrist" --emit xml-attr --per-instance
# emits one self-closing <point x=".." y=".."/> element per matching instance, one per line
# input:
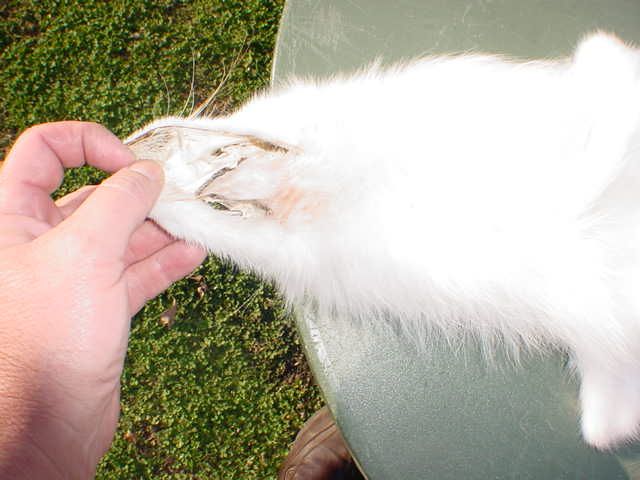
<point x="36" y="440"/>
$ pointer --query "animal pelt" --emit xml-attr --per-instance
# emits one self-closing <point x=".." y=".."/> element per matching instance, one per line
<point x="466" y="192"/>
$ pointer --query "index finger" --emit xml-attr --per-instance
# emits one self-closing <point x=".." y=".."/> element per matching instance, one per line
<point x="34" y="167"/>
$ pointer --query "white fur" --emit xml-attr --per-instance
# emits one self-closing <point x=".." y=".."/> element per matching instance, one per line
<point x="469" y="193"/>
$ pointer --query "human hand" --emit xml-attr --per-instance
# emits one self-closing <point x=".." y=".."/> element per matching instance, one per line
<point x="72" y="274"/>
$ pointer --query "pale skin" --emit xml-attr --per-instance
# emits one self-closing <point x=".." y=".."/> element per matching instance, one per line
<point x="72" y="274"/>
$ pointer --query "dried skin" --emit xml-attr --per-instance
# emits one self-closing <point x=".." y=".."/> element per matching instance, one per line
<point x="227" y="186"/>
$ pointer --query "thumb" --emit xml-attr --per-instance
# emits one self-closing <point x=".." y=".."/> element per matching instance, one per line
<point x="118" y="207"/>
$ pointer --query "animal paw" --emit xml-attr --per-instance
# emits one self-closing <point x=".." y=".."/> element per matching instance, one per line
<point x="610" y="408"/>
<point x="239" y="174"/>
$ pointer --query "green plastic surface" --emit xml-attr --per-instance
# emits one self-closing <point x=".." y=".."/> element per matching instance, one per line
<point x="445" y="413"/>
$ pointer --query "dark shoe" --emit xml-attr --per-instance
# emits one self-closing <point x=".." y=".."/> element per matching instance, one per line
<point x="319" y="453"/>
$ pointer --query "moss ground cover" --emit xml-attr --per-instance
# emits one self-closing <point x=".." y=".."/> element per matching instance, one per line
<point x="215" y="385"/>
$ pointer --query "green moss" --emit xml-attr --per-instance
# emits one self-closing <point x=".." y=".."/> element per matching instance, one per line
<point x="221" y="392"/>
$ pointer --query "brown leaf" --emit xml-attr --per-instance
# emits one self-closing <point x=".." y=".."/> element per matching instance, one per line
<point x="202" y="287"/>
<point x="168" y="317"/>
<point x="129" y="436"/>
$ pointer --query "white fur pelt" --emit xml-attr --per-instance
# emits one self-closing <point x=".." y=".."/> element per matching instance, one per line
<point x="468" y="193"/>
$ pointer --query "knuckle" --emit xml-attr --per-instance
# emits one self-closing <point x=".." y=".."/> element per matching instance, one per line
<point x="31" y="132"/>
<point x="94" y="129"/>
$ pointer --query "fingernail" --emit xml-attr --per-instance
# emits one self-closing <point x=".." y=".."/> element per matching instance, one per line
<point x="149" y="169"/>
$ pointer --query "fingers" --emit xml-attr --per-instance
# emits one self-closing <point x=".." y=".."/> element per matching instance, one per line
<point x="42" y="152"/>
<point x="113" y="212"/>
<point x="70" y="203"/>
<point x="34" y="167"/>
<point x="153" y="275"/>
<point x="145" y="241"/>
